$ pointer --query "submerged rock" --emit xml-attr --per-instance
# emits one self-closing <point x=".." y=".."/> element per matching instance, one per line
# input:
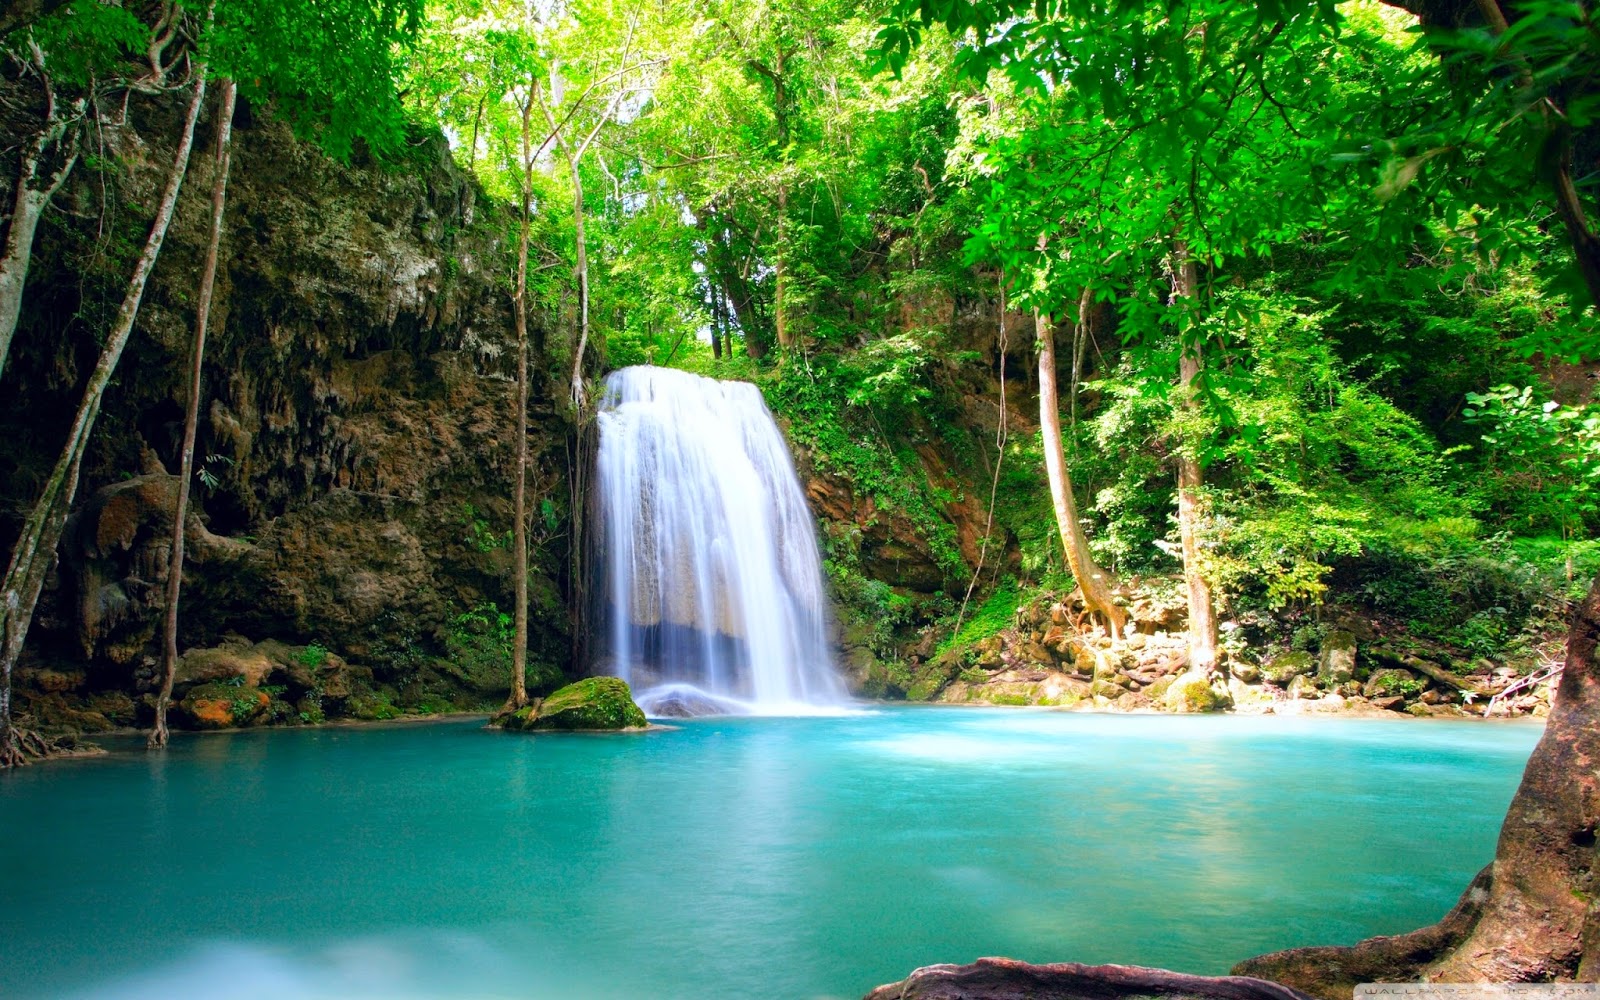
<point x="594" y="703"/>
<point x="1006" y="979"/>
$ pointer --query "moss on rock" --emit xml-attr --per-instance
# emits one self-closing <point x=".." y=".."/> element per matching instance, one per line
<point x="594" y="703"/>
<point x="1192" y="692"/>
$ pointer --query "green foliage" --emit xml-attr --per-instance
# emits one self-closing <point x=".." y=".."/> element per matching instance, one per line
<point x="874" y="614"/>
<point x="846" y="440"/>
<point x="480" y="641"/>
<point x="996" y="614"/>
<point x="313" y="657"/>
<point x="479" y="535"/>
<point x="1540" y="460"/>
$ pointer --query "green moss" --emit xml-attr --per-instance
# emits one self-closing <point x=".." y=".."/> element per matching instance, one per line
<point x="594" y="703"/>
<point x="994" y="615"/>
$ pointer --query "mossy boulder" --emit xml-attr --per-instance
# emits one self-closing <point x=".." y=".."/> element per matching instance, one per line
<point x="1286" y="667"/>
<point x="1338" y="663"/>
<point x="219" y="706"/>
<point x="1192" y="692"/>
<point x="594" y="703"/>
<point x="1392" y="681"/>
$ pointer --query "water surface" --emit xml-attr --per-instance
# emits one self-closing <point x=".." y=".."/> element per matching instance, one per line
<point x="788" y="858"/>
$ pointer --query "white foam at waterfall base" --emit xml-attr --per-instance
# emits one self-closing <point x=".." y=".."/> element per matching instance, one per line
<point x="711" y="582"/>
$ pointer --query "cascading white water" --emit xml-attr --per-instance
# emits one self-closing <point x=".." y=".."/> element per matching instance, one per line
<point x="711" y="594"/>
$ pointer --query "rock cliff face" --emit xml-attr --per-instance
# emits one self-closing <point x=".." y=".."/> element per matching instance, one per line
<point x="355" y="444"/>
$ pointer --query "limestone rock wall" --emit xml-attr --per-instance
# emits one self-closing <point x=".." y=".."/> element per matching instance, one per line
<point x="355" y="444"/>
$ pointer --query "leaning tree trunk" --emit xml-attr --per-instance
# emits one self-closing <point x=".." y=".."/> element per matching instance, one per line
<point x="1191" y="491"/>
<point x="1533" y="915"/>
<point x="191" y="419"/>
<point x="41" y="533"/>
<point x="38" y="179"/>
<point x="1092" y="580"/>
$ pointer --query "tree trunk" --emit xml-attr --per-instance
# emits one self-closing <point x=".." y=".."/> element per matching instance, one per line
<point x="519" y="489"/>
<point x="780" y="284"/>
<point x="1533" y="915"/>
<point x="33" y="195"/>
<point x="1191" y="489"/>
<point x="716" y="321"/>
<point x="41" y="533"/>
<point x="582" y="245"/>
<point x="1092" y="580"/>
<point x="191" y="419"/>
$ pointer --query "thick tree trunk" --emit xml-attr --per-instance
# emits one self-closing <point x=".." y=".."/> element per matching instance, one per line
<point x="1092" y="580"/>
<point x="36" y="546"/>
<point x="191" y="419"/>
<point x="1534" y="914"/>
<point x="54" y="151"/>
<point x="1191" y="491"/>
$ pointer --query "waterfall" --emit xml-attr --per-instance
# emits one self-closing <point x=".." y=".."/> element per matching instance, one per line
<point x="711" y="594"/>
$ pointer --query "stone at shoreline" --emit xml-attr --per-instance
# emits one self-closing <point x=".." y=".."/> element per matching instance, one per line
<point x="1006" y="979"/>
<point x="592" y="704"/>
<point x="1390" y="681"/>
<point x="1192" y="692"/>
<point x="1285" y="667"/>
<point x="1338" y="661"/>
<point x="1303" y="688"/>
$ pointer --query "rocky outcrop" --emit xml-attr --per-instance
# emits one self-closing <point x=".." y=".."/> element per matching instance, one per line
<point x="594" y="704"/>
<point x="355" y="445"/>
<point x="1005" y="979"/>
<point x="1047" y="658"/>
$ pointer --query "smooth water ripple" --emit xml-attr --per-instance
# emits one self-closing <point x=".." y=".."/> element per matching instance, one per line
<point x="791" y="858"/>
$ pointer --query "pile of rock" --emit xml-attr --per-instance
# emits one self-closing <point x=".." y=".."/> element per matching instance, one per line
<point x="1050" y="657"/>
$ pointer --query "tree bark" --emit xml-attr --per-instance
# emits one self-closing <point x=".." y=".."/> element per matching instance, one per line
<point x="716" y="321"/>
<point x="1533" y="915"/>
<point x="191" y="419"/>
<point x="780" y="284"/>
<point x="1091" y="579"/>
<point x="41" y="533"/>
<point x="582" y="246"/>
<point x="1191" y="488"/>
<point x="519" y="489"/>
<point x="58" y="137"/>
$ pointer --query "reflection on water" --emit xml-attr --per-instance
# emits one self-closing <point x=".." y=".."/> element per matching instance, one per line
<point x="802" y="858"/>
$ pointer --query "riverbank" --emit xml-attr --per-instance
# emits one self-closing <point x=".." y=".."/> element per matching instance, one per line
<point x="1044" y="652"/>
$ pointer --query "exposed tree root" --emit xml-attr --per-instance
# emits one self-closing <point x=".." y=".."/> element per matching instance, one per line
<point x="21" y="747"/>
<point x="1531" y="916"/>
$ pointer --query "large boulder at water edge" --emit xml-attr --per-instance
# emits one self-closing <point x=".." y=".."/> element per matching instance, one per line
<point x="1005" y="979"/>
<point x="1194" y="692"/>
<point x="594" y="703"/>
